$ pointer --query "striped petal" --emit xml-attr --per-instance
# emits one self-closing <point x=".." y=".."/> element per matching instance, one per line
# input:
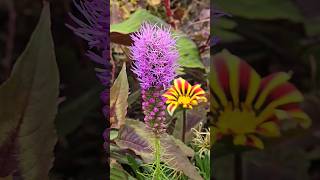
<point x="281" y="95"/>
<point x="302" y="118"/>
<point x="233" y="68"/>
<point x="170" y="95"/>
<point x="219" y="78"/>
<point x="233" y="78"/>
<point x="268" y="84"/>
<point x="172" y="107"/>
<point x="269" y="129"/>
<point x="248" y="140"/>
<point x="196" y="91"/>
<point x="294" y="111"/>
<point x="254" y="141"/>
<point x="249" y="82"/>
<point x="297" y="115"/>
<point x="178" y="85"/>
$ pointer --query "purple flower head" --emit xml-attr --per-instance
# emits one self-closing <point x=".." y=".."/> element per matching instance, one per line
<point x="95" y="30"/>
<point x="155" y="56"/>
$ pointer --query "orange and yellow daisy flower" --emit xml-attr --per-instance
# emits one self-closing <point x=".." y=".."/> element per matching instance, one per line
<point x="182" y="93"/>
<point x="246" y="106"/>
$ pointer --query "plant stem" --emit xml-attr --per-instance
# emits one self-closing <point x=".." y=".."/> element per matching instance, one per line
<point x="157" y="172"/>
<point x="184" y="119"/>
<point x="238" y="166"/>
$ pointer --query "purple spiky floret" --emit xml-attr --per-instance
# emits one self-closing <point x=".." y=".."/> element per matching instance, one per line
<point x="96" y="32"/>
<point x="154" y="57"/>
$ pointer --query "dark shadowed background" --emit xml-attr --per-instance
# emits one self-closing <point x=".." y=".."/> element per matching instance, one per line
<point x="79" y="153"/>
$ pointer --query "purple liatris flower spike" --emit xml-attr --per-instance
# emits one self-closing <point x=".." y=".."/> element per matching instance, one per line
<point x="96" y="31"/>
<point x="155" y="57"/>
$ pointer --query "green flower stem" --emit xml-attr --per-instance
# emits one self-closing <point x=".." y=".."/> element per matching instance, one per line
<point x="184" y="119"/>
<point x="157" y="173"/>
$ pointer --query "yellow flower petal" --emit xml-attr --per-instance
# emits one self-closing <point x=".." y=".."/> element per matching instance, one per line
<point x="302" y="118"/>
<point x="233" y="64"/>
<point x="269" y="129"/>
<point x="240" y="139"/>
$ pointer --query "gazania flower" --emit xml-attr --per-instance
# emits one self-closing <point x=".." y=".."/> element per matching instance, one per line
<point x="182" y="93"/>
<point x="246" y="106"/>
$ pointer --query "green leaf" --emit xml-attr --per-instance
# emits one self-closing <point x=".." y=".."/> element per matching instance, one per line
<point x="188" y="51"/>
<point x="120" y="33"/>
<point x="223" y="28"/>
<point x="119" y="93"/>
<point x="312" y="26"/>
<point x="118" y="173"/>
<point x="113" y="134"/>
<point x="133" y="97"/>
<point x="135" y="165"/>
<point x="70" y="116"/>
<point x="261" y="9"/>
<point x="133" y="23"/>
<point x="136" y="137"/>
<point x="28" y="105"/>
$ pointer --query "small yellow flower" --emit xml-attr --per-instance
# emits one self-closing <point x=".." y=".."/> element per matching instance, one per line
<point x="182" y="93"/>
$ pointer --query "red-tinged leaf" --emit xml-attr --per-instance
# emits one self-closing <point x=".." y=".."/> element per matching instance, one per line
<point x="136" y="137"/>
<point x="119" y="93"/>
<point x="28" y="105"/>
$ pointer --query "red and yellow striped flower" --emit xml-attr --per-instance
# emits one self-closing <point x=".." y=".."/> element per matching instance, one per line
<point x="182" y="93"/>
<point x="246" y="106"/>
